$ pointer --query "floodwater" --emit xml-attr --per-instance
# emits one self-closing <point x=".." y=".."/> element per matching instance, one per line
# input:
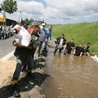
<point x="70" y="77"/>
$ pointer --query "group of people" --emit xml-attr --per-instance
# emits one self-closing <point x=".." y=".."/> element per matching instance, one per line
<point x="69" y="47"/>
<point x="38" y="36"/>
<point x="44" y="35"/>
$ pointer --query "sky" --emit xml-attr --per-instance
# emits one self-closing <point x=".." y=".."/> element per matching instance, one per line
<point x="57" y="11"/>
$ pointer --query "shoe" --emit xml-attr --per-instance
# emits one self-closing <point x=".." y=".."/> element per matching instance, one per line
<point x="29" y="74"/>
<point x="14" y="91"/>
<point x="16" y="94"/>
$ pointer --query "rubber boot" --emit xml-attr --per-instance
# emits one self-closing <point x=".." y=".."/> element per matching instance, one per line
<point x="14" y="90"/>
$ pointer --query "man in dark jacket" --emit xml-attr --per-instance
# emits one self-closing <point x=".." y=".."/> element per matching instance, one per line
<point x="60" y="42"/>
<point x="23" y="55"/>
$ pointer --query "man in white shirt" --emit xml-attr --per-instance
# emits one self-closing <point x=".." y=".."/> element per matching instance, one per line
<point x="60" y="42"/>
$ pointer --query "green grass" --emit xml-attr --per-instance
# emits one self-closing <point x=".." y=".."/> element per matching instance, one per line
<point x="81" y="33"/>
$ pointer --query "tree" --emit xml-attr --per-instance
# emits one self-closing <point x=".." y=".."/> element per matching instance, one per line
<point x="9" y="6"/>
<point x="28" y="21"/>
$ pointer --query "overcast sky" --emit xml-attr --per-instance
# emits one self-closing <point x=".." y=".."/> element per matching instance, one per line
<point x="57" y="11"/>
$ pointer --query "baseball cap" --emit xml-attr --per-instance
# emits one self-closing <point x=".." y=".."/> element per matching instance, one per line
<point x="43" y="24"/>
<point x="35" y="23"/>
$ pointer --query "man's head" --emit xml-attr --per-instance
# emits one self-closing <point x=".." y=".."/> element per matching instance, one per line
<point x="80" y="45"/>
<point x="72" y="40"/>
<point x="50" y="27"/>
<point x="88" y="45"/>
<point x="42" y="25"/>
<point x="62" y="35"/>
<point x="35" y="27"/>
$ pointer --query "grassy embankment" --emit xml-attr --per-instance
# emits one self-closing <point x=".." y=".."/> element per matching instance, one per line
<point x="81" y="33"/>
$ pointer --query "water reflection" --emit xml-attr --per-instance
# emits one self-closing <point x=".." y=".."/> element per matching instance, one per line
<point x="71" y="77"/>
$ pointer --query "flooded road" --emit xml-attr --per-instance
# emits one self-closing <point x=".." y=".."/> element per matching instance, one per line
<point x="70" y="77"/>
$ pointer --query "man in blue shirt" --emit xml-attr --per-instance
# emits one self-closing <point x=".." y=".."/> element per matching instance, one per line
<point x="48" y="32"/>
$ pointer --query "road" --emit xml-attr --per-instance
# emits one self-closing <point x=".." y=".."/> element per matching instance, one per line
<point x="6" y="46"/>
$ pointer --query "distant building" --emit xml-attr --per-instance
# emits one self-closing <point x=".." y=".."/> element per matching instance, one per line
<point x="7" y="20"/>
<point x="2" y="18"/>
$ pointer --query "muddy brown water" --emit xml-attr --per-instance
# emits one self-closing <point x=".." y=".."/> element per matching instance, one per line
<point x="70" y="77"/>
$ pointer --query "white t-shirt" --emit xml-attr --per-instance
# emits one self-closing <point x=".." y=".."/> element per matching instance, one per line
<point x="61" y="43"/>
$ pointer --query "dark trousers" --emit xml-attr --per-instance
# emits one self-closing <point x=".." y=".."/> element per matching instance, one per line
<point x="18" y="68"/>
<point x="40" y="46"/>
<point x="56" y="48"/>
<point x="67" y="51"/>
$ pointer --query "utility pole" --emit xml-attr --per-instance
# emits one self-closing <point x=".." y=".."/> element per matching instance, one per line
<point x="4" y="19"/>
<point x="20" y="16"/>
